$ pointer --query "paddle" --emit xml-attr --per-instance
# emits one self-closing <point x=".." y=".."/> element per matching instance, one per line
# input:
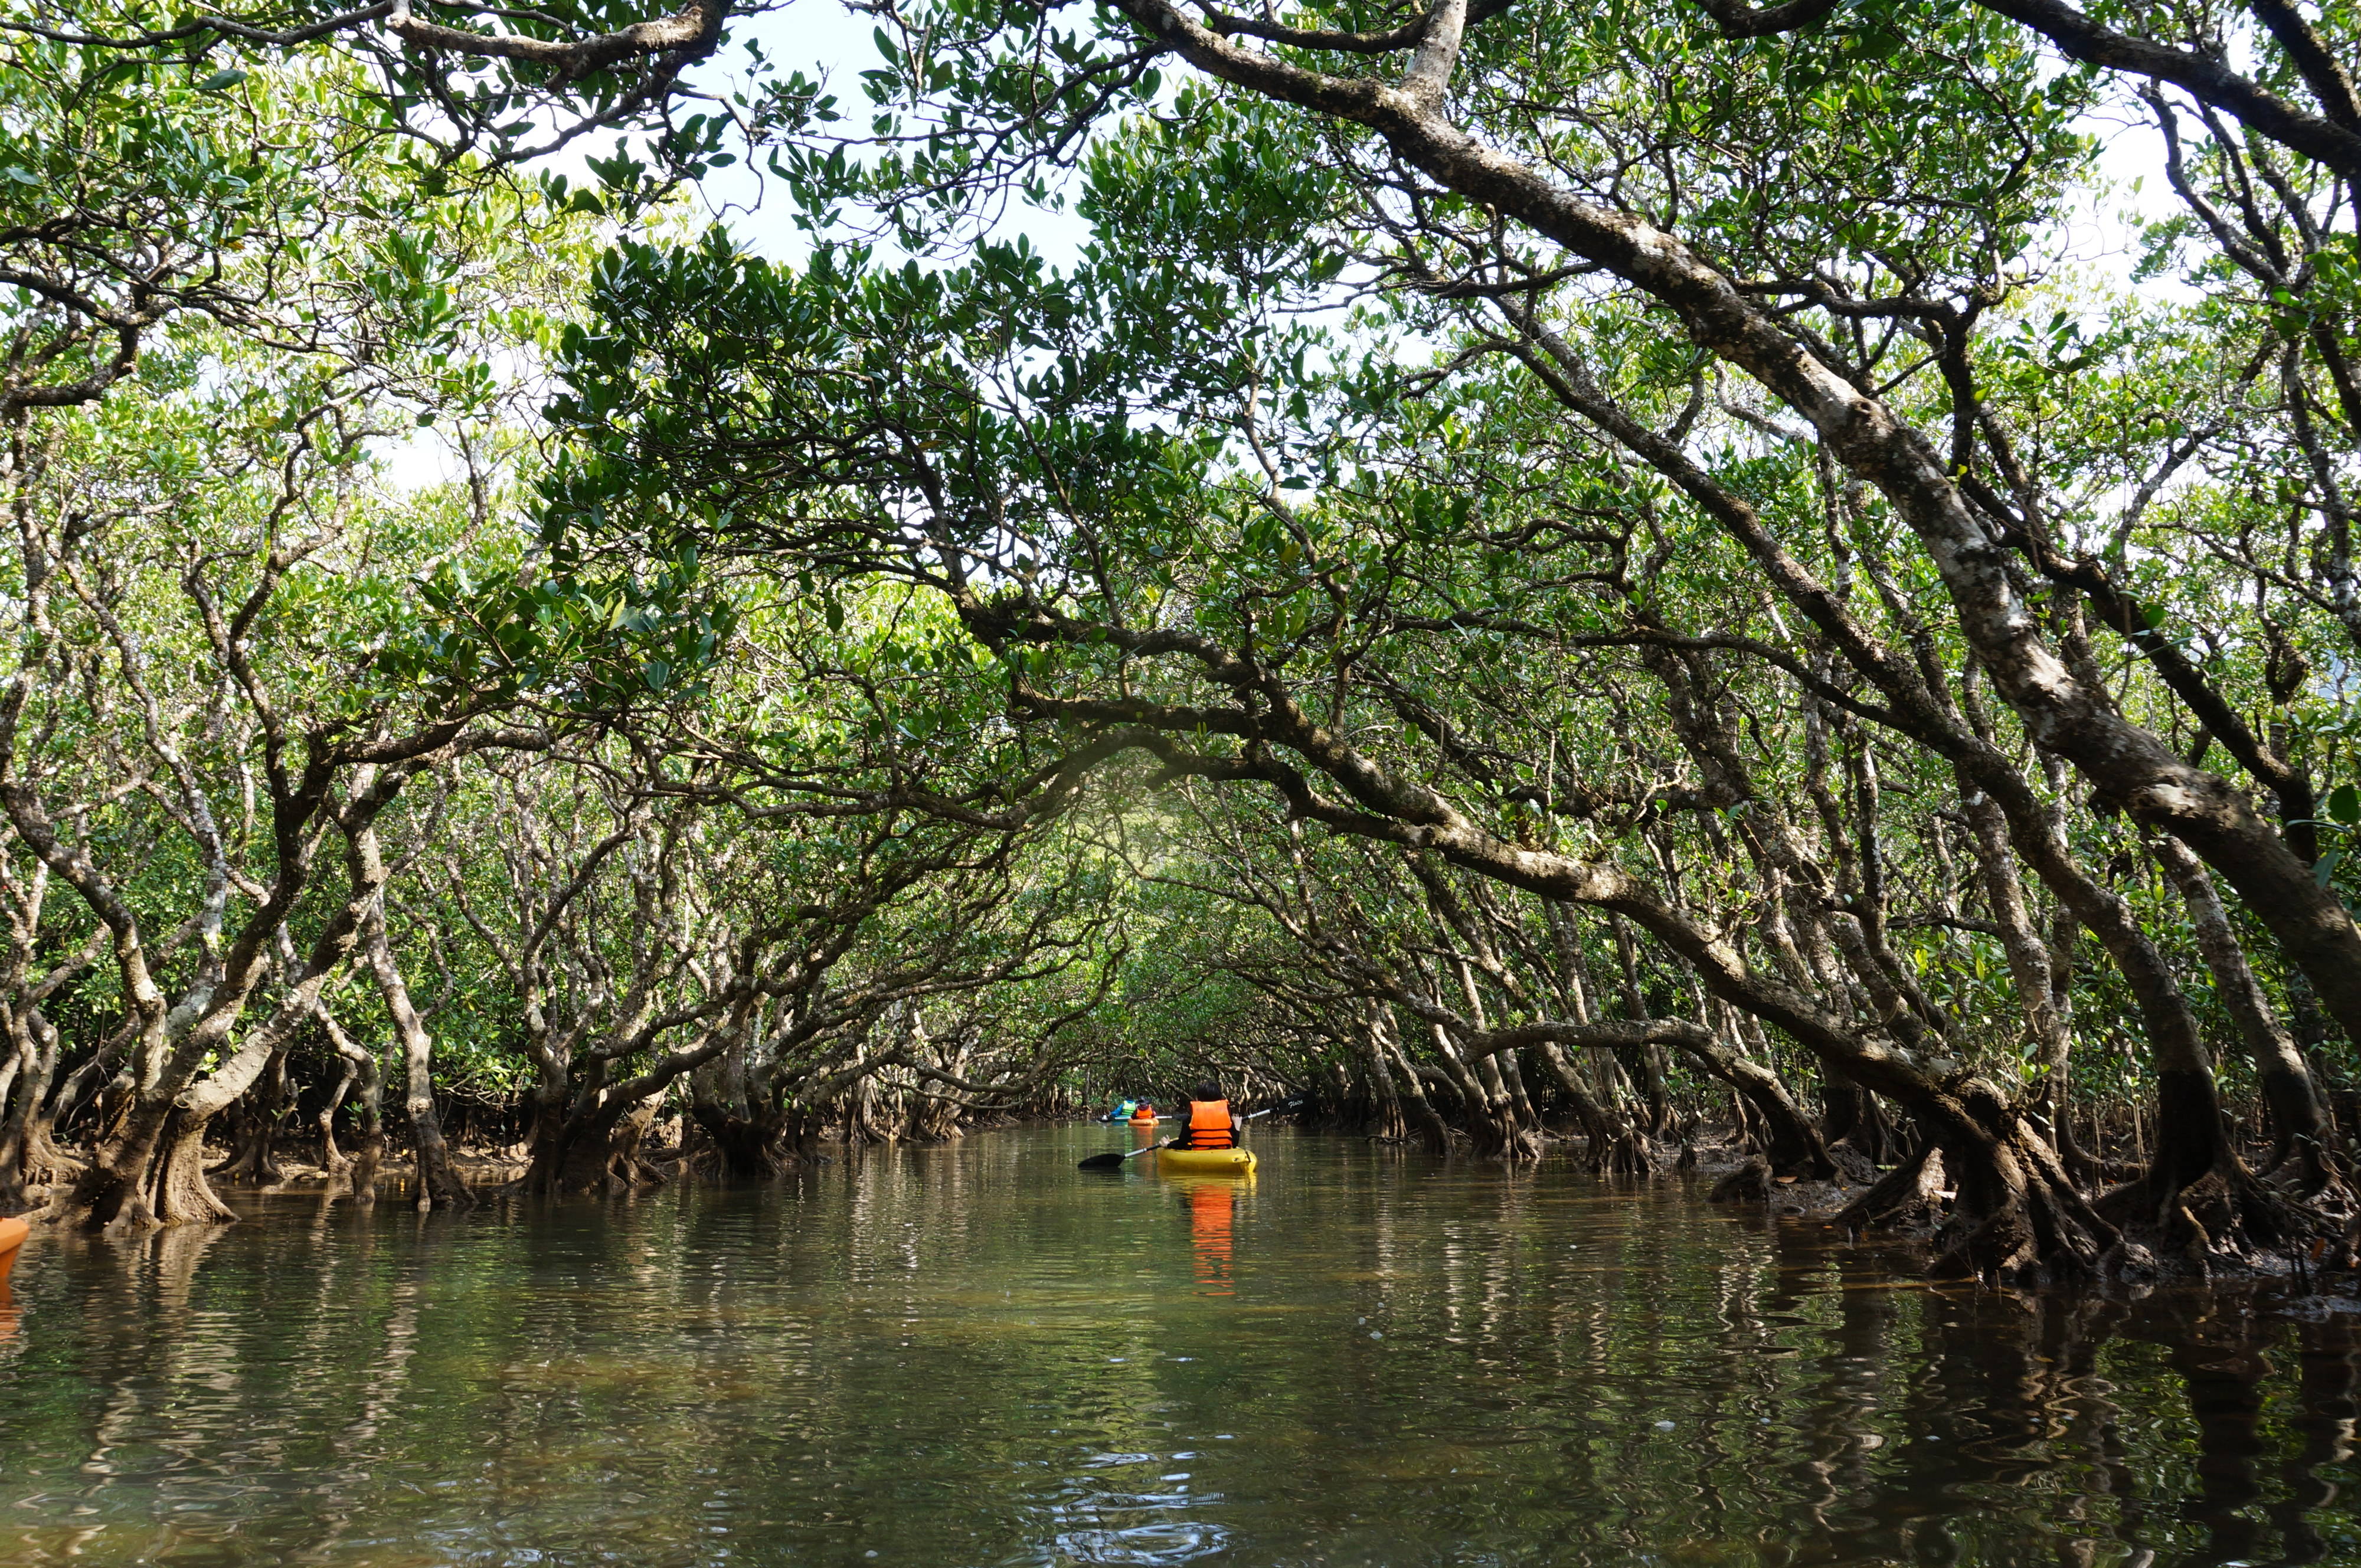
<point x="1113" y="1161"/>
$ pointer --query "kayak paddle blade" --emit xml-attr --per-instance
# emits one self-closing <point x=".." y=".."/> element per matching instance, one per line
<point x="1102" y="1162"/>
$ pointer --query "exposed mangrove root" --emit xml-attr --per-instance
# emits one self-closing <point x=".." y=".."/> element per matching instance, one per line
<point x="731" y="1149"/>
<point x="361" y="1171"/>
<point x="1750" y="1183"/>
<point x="179" y="1193"/>
<point x="2198" y="1204"/>
<point x="1626" y="1153"/>
<point x="2015" y="1217"/>
<point x="1851" y="1164"/>
<point x="1909" y="1196"/>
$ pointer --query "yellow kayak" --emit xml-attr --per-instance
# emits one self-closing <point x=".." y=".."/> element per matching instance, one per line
<point x="12" y="1236"/>
<point x="1206" y="1162"/>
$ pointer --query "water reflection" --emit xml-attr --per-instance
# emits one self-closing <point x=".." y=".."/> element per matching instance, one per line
<point x="971" y="1356"/>
<point x="2198" y="1426"/>
<point x="1212" y="1202"/>
<point x="1134" y="1508"/>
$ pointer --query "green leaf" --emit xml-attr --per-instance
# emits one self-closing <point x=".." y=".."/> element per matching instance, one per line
<point x="222" y="80"/>
<point x="2344" y="805"/>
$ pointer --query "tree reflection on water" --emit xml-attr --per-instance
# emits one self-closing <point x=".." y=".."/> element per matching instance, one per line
<point x="968" y="1355"/>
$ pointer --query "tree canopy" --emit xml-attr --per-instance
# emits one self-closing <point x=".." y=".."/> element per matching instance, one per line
<point x="1545" y="573"/>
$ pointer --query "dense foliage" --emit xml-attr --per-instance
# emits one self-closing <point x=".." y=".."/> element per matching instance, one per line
<point x="1547" y="573"/>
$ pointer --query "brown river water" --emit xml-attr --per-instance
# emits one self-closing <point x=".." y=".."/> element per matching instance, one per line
<point x="975" y="1355"/>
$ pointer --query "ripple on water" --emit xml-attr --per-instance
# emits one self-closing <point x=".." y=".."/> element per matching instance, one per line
<point x="973" y="1356"/>
<point x="1146" y="1545"/>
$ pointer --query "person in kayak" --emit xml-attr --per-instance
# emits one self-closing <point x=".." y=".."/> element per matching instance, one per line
<point x="1211" y="1126"/>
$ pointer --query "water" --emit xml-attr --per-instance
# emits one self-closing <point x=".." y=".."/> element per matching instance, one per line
<point x="977" y="1355"/>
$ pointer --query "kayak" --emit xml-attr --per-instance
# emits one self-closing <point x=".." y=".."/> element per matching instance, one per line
<point x="12" y="1236"/>
<point x="1206" y="1162"/>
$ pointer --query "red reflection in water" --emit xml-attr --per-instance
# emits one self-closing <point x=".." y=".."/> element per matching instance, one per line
<point x="1211" y="1206"/>
<point x="13" y="1233"/>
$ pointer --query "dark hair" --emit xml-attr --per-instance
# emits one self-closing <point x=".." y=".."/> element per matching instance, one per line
<point x="1206" y="1090"/>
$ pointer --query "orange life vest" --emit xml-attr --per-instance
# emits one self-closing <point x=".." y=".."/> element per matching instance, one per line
<point x="1210" y="1126"/>
<point x="1143" y="1113"/>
